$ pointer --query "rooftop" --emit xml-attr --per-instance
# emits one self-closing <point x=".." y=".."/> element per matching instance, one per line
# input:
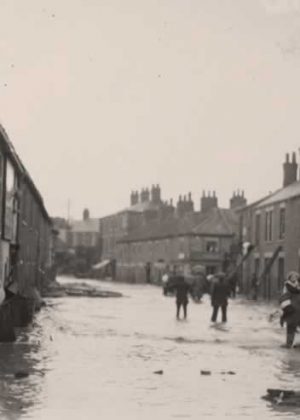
<point x="286" y="193"/>
<point x="220" y="222"/>
<point x="88" y="225"/>
<point x="143" y="206"/>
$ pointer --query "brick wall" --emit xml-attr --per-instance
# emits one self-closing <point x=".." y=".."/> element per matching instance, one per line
<point x="264" y="248"/>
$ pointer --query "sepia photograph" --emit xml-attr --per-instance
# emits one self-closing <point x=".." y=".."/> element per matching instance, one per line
<point x="149" y="209"/>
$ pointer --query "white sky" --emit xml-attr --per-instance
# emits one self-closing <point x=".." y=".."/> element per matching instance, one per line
<point x="103" y="96"/>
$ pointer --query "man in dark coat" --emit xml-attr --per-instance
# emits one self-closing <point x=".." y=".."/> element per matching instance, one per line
<point x="254" y="286"/>
<point x="290" y="305"/>
<point x="219" y="297"/>
<point x="182" y="289"/>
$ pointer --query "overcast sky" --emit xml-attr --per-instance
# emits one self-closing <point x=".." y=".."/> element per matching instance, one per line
<point x="101" y="97"/>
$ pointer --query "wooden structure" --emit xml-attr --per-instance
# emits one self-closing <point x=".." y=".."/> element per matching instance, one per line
<point x="26" y="240"/>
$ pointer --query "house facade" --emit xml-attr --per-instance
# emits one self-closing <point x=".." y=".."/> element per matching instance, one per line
<point x="272" y="225"/>
<point x="207" y="240"/>
<point x="79" y="244"/>
<point x="143" y="208"/>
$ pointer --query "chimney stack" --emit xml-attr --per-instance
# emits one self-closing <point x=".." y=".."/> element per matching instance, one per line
<point x="238" y="199"/>
<point x="155" y="194"/>
<point x="86" y="214"/>
<point x="185" y="205"/>
<point x="208" y="201"/>
<point x="134" y="198"/>
<point x="290" y="170"/>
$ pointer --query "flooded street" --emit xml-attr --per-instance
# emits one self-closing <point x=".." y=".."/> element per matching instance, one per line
<point x="94" y="358"/>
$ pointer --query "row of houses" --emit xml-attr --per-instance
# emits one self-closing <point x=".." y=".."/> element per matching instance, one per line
<point x="26" y="244"/>
<point x="153" y="233"/>
<point x="206" y="238"/>
<point x="135" y="243"/>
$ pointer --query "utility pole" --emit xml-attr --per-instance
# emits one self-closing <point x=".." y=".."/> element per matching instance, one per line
<point x="68" y="210"/>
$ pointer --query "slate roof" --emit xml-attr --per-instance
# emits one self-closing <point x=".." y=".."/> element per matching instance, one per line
<point x="219" y="222"/>
<point x="85" y="226"/>
<point x="143" y="206"/>
<point x="286" y="193"/>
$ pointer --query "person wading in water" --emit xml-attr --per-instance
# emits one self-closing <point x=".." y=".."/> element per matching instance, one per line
<point x="182" y="289"/>
<point x="219" y="297"/>
<point x="290" y="305"/>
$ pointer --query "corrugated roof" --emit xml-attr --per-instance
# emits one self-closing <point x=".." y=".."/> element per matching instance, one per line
<point x="22" y="170"/>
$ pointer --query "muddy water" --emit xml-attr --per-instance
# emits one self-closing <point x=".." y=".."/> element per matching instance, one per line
<point x="94" y="358"/>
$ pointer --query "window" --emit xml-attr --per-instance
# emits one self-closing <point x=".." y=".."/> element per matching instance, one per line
<point x="269" y="225"/>
<point x="257" y="228"/>
<point x="181" y="245"/>
<point x="282" y="223"/>
<point x="212" y="246"/>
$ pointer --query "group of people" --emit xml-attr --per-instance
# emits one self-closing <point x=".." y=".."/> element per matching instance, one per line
<point x="219" y="291"/>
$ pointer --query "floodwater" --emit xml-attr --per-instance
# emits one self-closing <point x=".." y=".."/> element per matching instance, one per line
<point x="91" y="358"/>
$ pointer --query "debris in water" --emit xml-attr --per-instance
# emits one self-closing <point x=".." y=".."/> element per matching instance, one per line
<point x="205" y="372"/>
<point x="228" y="372"/>
<point x="283" y="397"/>
<point x="158" y="372"/>
<point x="21" y="374"/>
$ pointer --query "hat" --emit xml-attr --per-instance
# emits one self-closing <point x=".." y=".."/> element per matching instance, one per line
<point x="293" y="277"/>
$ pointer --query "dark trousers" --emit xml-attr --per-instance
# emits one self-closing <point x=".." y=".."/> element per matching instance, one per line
<point x="216" y="310"/>
<point x="290" y="334"/>
<point x="178" y="306"/>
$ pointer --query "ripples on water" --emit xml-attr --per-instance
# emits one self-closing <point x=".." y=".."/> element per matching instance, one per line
<point x="95" y="358"/>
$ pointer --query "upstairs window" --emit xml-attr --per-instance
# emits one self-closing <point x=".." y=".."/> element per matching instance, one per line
<point x="269" y="225"/>
<point x="212" y="247"/>
<point x="282" y="223"/>
<point x="257" y="228"/>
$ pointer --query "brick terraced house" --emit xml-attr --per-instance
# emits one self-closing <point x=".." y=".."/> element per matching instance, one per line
<point x="272" y="225"/>
<point x="152" y="233"/>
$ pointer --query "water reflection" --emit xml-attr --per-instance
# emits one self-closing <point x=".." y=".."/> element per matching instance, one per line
<point x="82" y="353"/>
<point x="22" y="368"/>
